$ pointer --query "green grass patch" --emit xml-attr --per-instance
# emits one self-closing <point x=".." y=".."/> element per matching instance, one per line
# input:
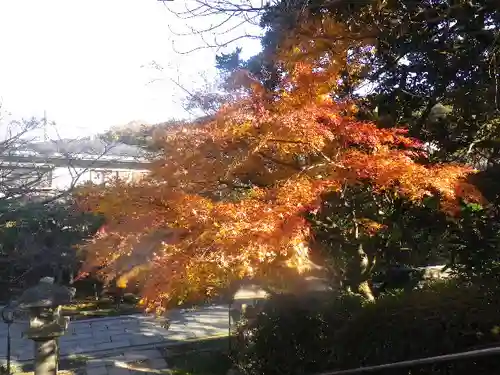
<point x="86" y="309"/>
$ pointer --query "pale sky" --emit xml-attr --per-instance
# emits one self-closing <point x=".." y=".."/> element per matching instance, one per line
<point x="81" y="62"/>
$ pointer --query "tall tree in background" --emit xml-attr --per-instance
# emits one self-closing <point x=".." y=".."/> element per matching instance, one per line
<point x="432" y="65"/>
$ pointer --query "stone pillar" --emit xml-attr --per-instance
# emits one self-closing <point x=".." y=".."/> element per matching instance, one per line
<point x="46" y="361"/>
<point x="43" y="302"/>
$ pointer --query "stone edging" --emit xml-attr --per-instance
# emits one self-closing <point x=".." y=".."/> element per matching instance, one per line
<point x="101" y="319"/>
<point x="110" y="352"/>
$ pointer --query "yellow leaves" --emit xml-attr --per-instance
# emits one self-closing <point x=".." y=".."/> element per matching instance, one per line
<point x="124" y="278"/>
<point x="393" y="169"/>
<point x="495" y="330"/>
<point x="10" y="224"/>
<point x="298" y="193"/>
<point x="370" y="227"/>
<point x="296" y="51"/>
<point x="242" y="129"/>
<point x="122" y="283"/>
<point x="300" y="259"/>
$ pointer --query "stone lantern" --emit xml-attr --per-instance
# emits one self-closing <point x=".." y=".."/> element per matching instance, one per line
<point x="43" y="304"/>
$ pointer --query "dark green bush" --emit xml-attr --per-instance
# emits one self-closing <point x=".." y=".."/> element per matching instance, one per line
<point x="295" y="335"/>
<point x="299" y="335"/>
<point x="441" y="319"/>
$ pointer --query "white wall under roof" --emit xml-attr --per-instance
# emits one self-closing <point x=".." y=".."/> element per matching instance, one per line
<point x="64" y="178"/>
<point x="61" y="177"/>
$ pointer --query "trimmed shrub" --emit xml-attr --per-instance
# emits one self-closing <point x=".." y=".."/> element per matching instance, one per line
<point x="441" y="319"/>
<point x="295" y="334"/>
<point x="306" y="335"/>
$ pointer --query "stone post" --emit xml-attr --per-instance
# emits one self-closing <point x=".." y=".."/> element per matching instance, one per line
<point x="46" y="361"/>
<point x="43" y="302"/>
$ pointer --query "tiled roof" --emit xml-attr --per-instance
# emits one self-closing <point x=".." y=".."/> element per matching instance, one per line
<point x="82" y="147"/>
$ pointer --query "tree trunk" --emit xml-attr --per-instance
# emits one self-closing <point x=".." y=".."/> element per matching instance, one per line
<point x="361" y="268"/>
<point x="360" y="272"/>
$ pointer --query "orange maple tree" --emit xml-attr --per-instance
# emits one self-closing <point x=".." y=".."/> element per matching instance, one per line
<point x="227" y="197"/>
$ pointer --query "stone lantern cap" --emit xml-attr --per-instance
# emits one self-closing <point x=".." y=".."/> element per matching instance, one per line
<point x="45" y="295"/>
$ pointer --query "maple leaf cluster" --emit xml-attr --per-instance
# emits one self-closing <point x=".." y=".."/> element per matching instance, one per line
<point x="181" y="233"/>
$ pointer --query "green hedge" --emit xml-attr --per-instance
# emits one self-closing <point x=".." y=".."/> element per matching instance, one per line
<point x="297" y="335"/>
<point x="441" y="319"/>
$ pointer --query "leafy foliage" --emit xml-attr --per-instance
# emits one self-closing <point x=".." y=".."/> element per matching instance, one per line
<point x="432" y="65"/>
<point x="475" y="245"/>
<point x="363" y="233"/>
<point x="295" y="335"/>
<point x="182" y="233"/>
<point x="300" y="335"/>
<point x="455" y="319"/>
<point x="37" y="238"/>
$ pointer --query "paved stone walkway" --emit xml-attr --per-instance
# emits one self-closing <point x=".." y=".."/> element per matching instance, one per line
<point x="129" y="344"/>
<point x="99" y="336"/>
<point x="131" y="362"/>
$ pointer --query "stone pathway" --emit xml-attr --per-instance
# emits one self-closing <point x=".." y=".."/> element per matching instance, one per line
<point x="128" y="344"/>
<point x="102" y="336"/>
<point x="140" y="362"/>
<point x="132" y="362"/>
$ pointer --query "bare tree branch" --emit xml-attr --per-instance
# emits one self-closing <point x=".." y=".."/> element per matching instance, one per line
<point x="228" y="16"/>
